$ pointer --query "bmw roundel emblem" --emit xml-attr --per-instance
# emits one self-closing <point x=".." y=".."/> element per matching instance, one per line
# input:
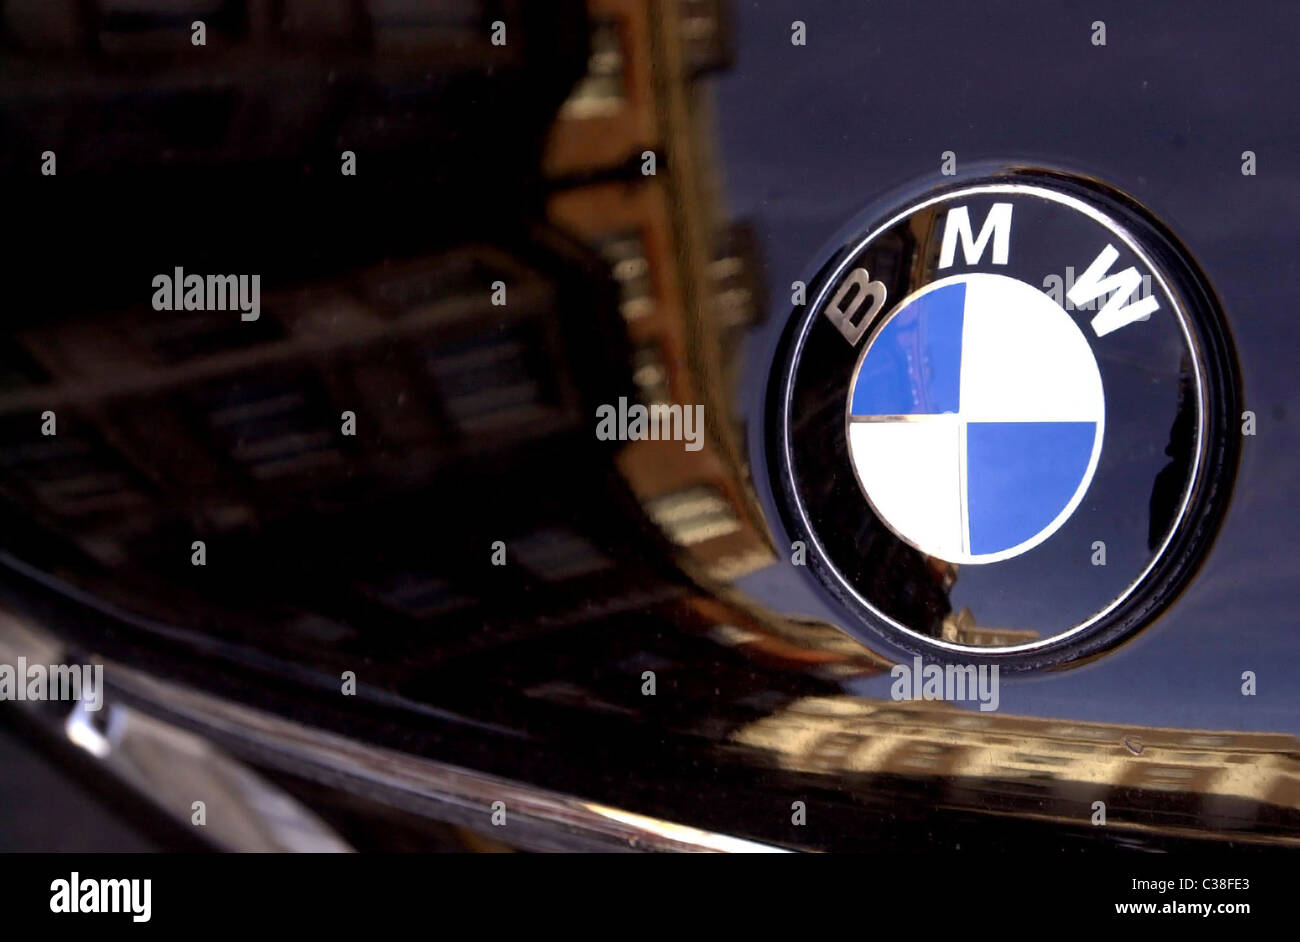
<point x="1004" y="421"/>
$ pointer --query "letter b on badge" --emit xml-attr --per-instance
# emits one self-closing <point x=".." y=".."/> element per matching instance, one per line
<point x="844" y="308"/>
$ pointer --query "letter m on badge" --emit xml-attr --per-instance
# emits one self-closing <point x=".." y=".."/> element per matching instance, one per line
<point x="996" y="229"/>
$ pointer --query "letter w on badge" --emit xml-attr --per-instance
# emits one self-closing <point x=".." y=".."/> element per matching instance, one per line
<point x="1118" y="288"/>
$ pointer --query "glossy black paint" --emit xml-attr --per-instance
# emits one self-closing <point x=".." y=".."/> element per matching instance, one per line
<point x="375" y="559"/>
<point x="1160" y="113"/>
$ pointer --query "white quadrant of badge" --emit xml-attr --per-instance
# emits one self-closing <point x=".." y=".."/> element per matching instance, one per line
<point x="975" y="418"/>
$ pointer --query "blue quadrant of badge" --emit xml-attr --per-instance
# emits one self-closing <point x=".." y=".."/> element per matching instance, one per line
<point x="1020" y="476"/>
<point x="914" y="366"/>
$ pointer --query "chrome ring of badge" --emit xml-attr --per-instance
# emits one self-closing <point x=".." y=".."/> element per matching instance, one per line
<point x="1004" y="424"/>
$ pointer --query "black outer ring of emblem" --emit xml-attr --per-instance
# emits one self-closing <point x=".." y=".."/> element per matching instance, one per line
<point x="1210" y="492"/>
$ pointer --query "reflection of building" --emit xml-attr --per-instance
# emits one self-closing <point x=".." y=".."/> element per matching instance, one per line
<point x="112" y="84"/>
<point x="1169" y="780"/>
<point x="960" y="628"/>
<point x="474" y="421"/>
<point x="687" y="287"/>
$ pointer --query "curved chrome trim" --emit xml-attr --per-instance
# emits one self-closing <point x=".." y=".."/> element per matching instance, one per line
<point x="537" y="819"/>
<point x="170" y="742"/>
<point x="171" y="767"/>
